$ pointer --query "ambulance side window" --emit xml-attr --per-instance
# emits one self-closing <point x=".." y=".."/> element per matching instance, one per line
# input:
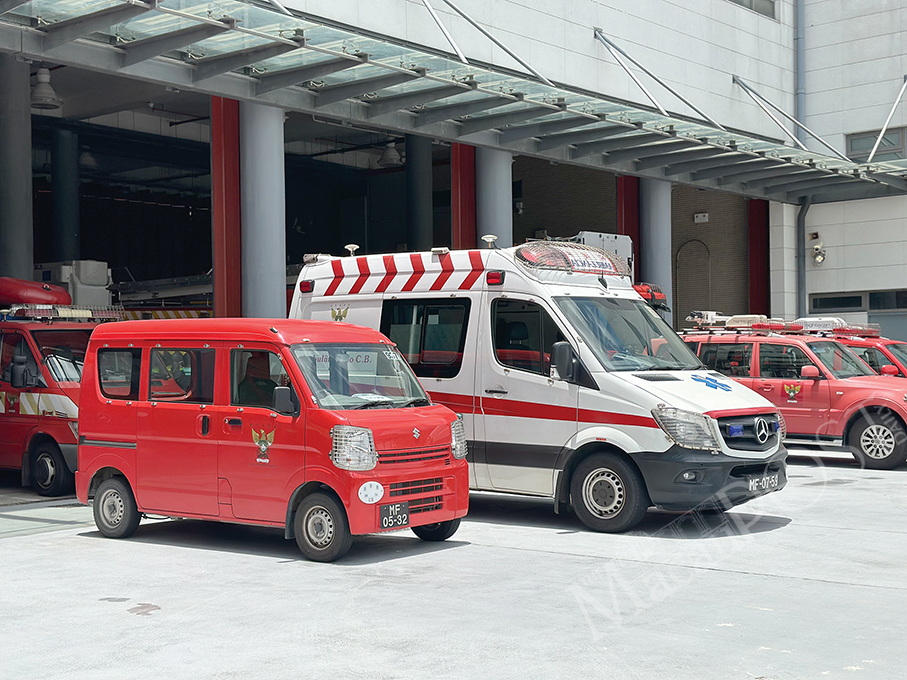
<point x="523" y="333"/>
<point x="13" y="344"/>
<point x="253" y="376"/>
<point x="118" y="373"/>
<point x="182" y="375"/>
<point x="429" y="333"/>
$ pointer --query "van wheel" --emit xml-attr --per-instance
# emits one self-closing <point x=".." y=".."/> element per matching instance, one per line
<point x="322" y="529"/>
<point x="115" y="512"/>
<point x="49" y="474"/>
<point x="878" y="441"/>
<point x="437" y="532"/>
<point x="608" y="494"/>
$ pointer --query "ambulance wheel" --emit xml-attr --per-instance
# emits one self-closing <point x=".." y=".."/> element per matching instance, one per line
<point x="878" y="441"/>
<point x="115" y="512"/>
<point x="437" y="532"/>
<point x="608" y="493"/>
<point x="49" y="474"/>
<point x="322" y="529"/>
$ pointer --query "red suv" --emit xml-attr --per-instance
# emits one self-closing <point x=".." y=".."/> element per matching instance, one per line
<point x="888" y="357"/>
<point x="825" y="392"/>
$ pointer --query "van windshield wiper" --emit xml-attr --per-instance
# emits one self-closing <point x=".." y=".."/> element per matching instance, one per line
<point x="373" y="404"/>
<point x="418" y="401"/>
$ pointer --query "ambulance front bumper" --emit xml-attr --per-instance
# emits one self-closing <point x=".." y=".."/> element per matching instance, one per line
<point x="684" y="479"/>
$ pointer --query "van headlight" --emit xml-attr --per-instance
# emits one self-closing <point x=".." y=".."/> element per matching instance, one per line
<point x="458" y="438"/>
<point x="688" y="429"/>
<point x="353" y="448"/>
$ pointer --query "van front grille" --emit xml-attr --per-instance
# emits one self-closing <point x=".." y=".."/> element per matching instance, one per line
<point x="412" y="456"/>
<point x="416" y="487"/>
<point x="425" y="504"/>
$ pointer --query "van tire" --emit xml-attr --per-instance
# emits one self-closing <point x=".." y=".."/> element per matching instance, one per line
<point x="437" y="532"/>
<point x="50" y="476"/>
<point x="115" y="511"/>
<point x="878" y="441"/>
<point x="608" y="494"/>
<point x="322" y="529"/>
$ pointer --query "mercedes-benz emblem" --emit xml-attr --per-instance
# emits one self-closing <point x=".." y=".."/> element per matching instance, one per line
<point x="762" y="430"/>
<point x="416" y="433"/>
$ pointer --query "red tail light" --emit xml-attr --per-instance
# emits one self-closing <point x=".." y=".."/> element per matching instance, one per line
<point x="494" y="278"/>
<point x="306" y="286"/>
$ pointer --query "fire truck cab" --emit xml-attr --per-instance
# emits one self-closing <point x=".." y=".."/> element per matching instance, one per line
<point x="570" y="386"/>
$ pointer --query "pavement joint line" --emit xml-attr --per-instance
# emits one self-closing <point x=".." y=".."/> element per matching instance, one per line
<point x="33" y="505"/>
<point x="42" y="520"/>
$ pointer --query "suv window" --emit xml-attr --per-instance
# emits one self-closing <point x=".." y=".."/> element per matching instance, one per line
<point x="429" y="333"/>
<point x="781" y="361"/>
<point x="182" y="375"/>
<point x="523" y="334"/>
<point x="253" y="375"/>
<point x="839" y="360"/>
<point x="871" y="356"/>
<point x="731" y="359"/>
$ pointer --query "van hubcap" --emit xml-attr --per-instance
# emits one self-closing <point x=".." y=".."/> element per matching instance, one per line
<point x="877" y="441"/>
<point x="112" y="508"/>
<point x="319" y="527"/>
<point x="45" y="471"/>
<point x="603" y="493"/>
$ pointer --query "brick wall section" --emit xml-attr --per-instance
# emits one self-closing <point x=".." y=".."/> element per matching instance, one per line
<point x="563" y="199"/>
<point x="711" y="268"/>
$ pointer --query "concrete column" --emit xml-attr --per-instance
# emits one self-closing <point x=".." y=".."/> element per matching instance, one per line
<point x="264" y="241"/>
<point x="419" y="213"/>
<point x="655" y="237"/>
<point x="16" y="231"/>
<point x="64" y="177"/>
<point x="782" y="258"/>
<point x="494" y="196"/>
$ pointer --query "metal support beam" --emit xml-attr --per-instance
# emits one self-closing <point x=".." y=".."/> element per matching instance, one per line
<point x="337" y="93"/>
<point x="781" y="177"/>
<point x="752" y="170"/>
<point x="140" y="50"/>
<point x="812" y="183"/>
<point x="489" y="122"/>
<point x="66" y="31"/>
<point x="301" y="74"/>
<point x="383" y="105"/>
<point x="453" y="44"/>
<point x="897" y="100"/>
<point x="748" y="164"/>
<point x="724" y="160"/>
<point x="569" y="138"/>
<point x="660" y="149"/>
<point x="437" y="114"/>
<point x="518" y="132"/>
<point x="212" y="66"/>
<point x="679" y="157"/>
<point x="615" y="144"/>
<point x="10" y="5"/>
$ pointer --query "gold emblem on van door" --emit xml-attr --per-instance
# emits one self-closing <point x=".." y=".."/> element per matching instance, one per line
<point x="339" y="313"/>
<point x="263" y="441"/>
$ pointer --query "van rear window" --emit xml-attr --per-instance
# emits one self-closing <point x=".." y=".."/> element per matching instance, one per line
<point x="118" y="373"/>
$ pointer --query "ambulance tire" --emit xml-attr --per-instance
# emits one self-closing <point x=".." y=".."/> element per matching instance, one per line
<point x="878" y="441"/>
<point x="608" y="494"/>
<point x="115" y="511"/>
<point x="50" y="476"/>
<point x="322" y="529"/>
<point x="437" y="532"/>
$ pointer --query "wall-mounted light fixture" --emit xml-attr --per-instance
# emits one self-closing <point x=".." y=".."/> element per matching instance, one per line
<point x="43" y="95"/>
<point x="816" y="249"/>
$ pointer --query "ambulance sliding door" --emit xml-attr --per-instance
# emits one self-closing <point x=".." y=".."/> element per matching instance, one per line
<point x="526" y="417"/>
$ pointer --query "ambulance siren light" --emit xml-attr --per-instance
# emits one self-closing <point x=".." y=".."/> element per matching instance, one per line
<point x="653" y="295"/>
<point x="67" y="312"/>
<point x="838" y="326"/>
<point x="574" y="258"/>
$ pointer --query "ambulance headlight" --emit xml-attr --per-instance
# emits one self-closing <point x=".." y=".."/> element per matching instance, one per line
<point x="353" y="448"/>
<point x="688" y="429"/>
<point x="458" y="438"/>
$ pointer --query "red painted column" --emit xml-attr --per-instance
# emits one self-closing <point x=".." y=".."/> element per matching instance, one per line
<point x="225" y="208"/>
<point x="628" y="214"/>
<point x="757" y="222"/>
<point x="463" y="196"/>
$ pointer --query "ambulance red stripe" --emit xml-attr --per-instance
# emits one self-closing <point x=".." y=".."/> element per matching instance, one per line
<point x="337" y="266"/>
<point x="363" y="276"/>
<point x="447" y="269"/>
<point x="418" y="271"/>
<point x="475" y="259"/>
<point x="390" y="268"/>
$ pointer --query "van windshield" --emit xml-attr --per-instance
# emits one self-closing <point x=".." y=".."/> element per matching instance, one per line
<point x="358" y="376"/>
<point x="63" y="352"/>
<point x="627" y="335"/>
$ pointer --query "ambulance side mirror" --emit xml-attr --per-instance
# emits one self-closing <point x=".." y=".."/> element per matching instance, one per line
<point x="17" y="371"/>
<point x="283" y="400"/>
<point x="564" y="361"/>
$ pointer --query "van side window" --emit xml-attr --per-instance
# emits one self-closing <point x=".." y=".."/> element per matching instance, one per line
<point x="118" y="373"/>
<point x="182" y="375"/>
<point x="253" y="376"/>
<point x="429" y="333"/>
<point x="523" y="334"/>
<point x="781" y="361"/>
<point x="732" y="359"/>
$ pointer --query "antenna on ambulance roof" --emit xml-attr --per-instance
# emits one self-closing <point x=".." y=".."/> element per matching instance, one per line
<point x="352" y="247"/>
<point x="490" y="240"/>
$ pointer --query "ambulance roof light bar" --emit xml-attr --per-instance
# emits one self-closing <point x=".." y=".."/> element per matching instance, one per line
<point x="838" y="326"/>
<point x="64" y="312"/>
<point x="572" y="258"/>
<point x="707" y="320"/>
<point x="653" y="295"/>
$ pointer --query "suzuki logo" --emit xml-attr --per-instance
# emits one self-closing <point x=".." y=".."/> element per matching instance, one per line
<point x="416" y="433"/>
<point x="762" y="429"/>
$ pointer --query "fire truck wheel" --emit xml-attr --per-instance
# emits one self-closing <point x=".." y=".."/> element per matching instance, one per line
<point x="437" y="532"/>
<point x="321" y="528"/>
<point x="608" y="494"/>
<point x="114" y="508"/>
<point x="49" y="474"/>
<point x="878" y="441"/>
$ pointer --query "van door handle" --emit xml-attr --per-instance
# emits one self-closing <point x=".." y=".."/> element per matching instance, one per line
<point x="766" y="387"/>
<point x="233" y="422"/>
<point x="495" y="391"/>
<point x="205" y="429"/>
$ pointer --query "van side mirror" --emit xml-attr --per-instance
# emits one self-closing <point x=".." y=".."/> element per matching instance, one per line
<point x="17" y="371"/>
<point x="888" y="369"/>
<point x="564" y="361"/>
<point x="810" y="372"/>
<point x="283" y="402"/>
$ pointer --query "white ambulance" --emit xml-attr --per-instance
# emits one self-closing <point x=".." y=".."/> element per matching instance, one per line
<point x="571" y="387"/>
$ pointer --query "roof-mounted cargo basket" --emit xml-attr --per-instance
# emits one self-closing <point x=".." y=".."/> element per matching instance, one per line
<point x="34" y="312"/>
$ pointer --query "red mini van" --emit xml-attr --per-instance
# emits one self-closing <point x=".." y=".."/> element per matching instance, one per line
<point x="316" y="427"/>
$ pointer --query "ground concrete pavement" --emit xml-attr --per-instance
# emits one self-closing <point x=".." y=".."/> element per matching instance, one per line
<point x="805" y="583"/>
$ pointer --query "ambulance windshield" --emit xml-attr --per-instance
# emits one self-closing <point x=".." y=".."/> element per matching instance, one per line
<point x="63" y="352"/>
<point x="627" y="335"/>
<point x="358" y="376"/>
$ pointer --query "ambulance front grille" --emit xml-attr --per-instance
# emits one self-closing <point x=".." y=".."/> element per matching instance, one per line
<point x="425" y="504"/>
<point x="412" y="456"/>
<point x="417" y="487"/>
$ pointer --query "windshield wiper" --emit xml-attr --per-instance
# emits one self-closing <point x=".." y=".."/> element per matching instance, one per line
<point x="372" y="404"/>
<point x="418" y="401"/>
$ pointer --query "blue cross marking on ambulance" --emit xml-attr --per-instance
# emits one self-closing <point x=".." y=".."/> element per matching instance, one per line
<point x="711" y="382"/>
